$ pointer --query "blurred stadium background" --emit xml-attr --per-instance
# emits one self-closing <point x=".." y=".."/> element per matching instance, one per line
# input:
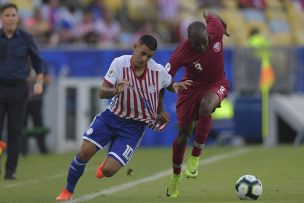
<point x="78" y="40"/>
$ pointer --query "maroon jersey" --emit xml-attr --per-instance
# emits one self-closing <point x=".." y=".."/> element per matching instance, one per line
<point x="204" y="68"/>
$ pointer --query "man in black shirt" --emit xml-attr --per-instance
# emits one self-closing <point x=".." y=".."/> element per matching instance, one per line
<point x="17" y="53"/>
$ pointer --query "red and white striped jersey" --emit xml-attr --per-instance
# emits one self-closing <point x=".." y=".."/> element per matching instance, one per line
<point x="140" y="100"/>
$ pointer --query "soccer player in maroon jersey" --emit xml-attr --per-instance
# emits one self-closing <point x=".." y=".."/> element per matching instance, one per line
<point x="202" y="57"/>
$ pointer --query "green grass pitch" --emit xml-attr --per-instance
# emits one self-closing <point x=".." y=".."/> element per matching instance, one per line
<point x="281" y="170"/>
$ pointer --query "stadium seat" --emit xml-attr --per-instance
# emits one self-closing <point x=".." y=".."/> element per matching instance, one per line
<point x="281" y="39"/>
<point x="236" y="22"/>
<point x="141" y="10"/>
<point x="274" y="4"/>
<point x="253" y="15"/>
<point x="230" y="4"/>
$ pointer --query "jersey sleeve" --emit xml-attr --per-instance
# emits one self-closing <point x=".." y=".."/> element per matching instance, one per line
<point x="175" y="61"/>
<point x="113" y="73"/>
<point x="165" y="77"/>
<point x="215" y="27"/>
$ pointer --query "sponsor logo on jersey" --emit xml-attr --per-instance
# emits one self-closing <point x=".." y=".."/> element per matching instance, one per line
<point x="89" y="131"/>
<point x="217" y="47"/>
<point x="168" y="67"/>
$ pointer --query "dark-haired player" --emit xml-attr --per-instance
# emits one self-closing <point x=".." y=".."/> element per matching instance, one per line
<point x="134" y="83"/>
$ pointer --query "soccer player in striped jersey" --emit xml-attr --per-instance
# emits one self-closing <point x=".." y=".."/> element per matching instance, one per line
<point x="203" y="58"/>
<point x="135" y="83"/>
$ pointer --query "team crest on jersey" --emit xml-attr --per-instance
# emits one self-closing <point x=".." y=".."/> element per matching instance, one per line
<point x="89" y="131"/>
<point x="151" y="89"/>
<point x="217" y="47"/>
<point x="168" y="67"/>
<point x="110" y="73"/>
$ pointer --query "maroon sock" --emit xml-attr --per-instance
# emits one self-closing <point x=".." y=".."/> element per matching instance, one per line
<point x="178" y="156"/>
<point x="202" y="128"/>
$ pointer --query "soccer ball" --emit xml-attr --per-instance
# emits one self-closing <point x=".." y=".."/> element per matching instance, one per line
<point x="248" y="187"/>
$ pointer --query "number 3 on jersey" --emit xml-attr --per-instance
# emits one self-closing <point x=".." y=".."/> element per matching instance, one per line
<point x="197" y="66"/>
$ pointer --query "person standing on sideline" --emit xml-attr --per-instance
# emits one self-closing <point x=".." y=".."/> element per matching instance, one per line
<point x="135" y="83"/>
<point x="16" y="48"/>
<point x="203" y="58"/>
<point x="34" y="112"/>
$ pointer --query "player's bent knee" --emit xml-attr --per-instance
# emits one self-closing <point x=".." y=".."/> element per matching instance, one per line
<point x="86" y="154"/>
<point x="205" y="110"/>
<point x="182" y="139"/>
<point x="83" y="155"/>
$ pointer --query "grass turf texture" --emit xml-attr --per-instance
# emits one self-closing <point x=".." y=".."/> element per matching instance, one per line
<point x="40" y="178"/>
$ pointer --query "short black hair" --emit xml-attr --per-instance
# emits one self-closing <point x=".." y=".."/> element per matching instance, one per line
<point x="8" y="5"/>
<point x="149" y="41"/>
<point x="196" y="26"/>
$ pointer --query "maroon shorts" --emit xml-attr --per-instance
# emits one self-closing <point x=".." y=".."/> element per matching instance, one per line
<point x="188" y="101"/>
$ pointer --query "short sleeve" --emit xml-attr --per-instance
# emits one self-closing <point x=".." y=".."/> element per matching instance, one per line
<point x="215" y="27"/>
<point x="113" y="73"/>
<point x="176" y="60"/>
<point x="165" y="77"/>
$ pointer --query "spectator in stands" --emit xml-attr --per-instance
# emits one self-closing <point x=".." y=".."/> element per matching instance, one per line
<point x="108" y="28"/>
<point x="147" y="28"/>
<point x="97" y="7"/>
<point x="50" y="12"/>
<point x="258" y="4"/>
<point x="86" y="31"/>
<point x="168" y="20"/>
<point x="210" y="3"/>
<point x="38" y="27"/>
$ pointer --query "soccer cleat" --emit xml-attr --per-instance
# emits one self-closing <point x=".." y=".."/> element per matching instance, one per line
<point x="173" y="187"/>
<point x="99" y="173"/>
<point x="192" y="167"/>
<point x="2" y="147"/>
<point x="65" y="195"/>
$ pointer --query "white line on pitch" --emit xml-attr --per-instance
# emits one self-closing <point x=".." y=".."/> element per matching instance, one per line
<point x="37" y="180"/>
<point x="154" y="177"/>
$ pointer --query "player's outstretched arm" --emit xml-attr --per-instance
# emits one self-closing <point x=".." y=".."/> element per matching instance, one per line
<point x="108" y="91"/>
<point x="212" y="13"/>
<point x="177" y="86"/>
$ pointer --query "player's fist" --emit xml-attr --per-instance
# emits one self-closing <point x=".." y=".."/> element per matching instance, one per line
<point x="121" y="86"/>
<point x="38" y="88"/>
<point x="160" y="122"/>
<point x="163" y="117"/>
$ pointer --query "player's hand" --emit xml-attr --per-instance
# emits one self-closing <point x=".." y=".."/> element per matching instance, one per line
<point x="160" y="122"/>
<point x="163" y="117"/>
<point x="225" y="26"/>
<point x="182" y="85"/>
<point x="121" y="86"/>
<point x="226" y="33"/>
<point x="38" y="88"/>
